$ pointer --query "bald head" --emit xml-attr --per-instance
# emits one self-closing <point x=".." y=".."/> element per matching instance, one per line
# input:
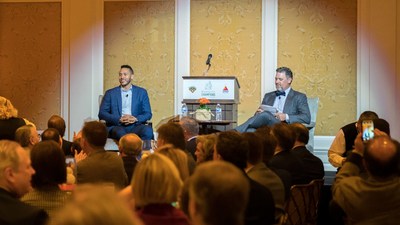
<point x="130" y="144"/>
<point x="381" y="157"/>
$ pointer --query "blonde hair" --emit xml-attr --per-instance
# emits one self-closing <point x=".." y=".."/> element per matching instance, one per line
<point x="208" y="142"/>
<point x="8" y="155"/>
<point x="7" y="109"/>
<point x="178" y="157"/>
<point x="155" y="180"/>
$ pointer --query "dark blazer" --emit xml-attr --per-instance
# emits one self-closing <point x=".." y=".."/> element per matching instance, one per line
<point x="102" y="167"/>
<point x="296" y="106"/>
<point x="15" y="212"/>
<point x="313" y="166"/>
<point x="66" y="147"/>
<point x="288" y="161"/>
<point x="191" y="147"/>
<point x="260" y="209"/>
<point x="111" y="106"/>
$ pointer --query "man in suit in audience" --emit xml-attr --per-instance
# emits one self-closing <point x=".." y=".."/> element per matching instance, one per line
<point x="313" y="166"/>
<point x="343" y="143"/>
<point x="191" y="131"/>
<point x="15" y="181"/>
<point x="126" y="108"/>
<point x="291" y="105"/>
<point x="218" y="200"/>
<point x="130" y="149"/>
<point x="233" y="148"/>
<point x="58" y="123"/>
<point x="27" y="136"/>
<point x="260" y="173"/>
<point x="374" y="199"/>
<point x="99" y="166"/>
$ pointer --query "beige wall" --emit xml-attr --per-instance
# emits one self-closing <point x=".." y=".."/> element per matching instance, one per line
<point x="30" y="59"/>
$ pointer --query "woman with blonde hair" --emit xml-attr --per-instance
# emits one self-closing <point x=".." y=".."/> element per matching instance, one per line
<point x="178" y="157"/>
<point x="205" y="147"/>
<point x="156" y="184"/>
<point x="9" y="120"/>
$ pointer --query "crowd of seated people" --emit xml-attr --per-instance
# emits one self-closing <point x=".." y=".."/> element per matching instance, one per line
<point x="243" y="178"/>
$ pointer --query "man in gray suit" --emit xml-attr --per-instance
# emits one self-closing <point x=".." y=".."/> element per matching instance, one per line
<point x="282" y="105"/>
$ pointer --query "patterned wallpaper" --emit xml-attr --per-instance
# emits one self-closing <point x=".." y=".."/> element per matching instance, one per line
<point x="30" y="59"/>
<point x="318" y="41"/>
<point x="141" y="34"/>
<point x="231" y="31"/>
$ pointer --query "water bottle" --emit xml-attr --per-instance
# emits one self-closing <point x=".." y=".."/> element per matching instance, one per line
<point x="184" y="110"/>
<point x="218" y="112"/>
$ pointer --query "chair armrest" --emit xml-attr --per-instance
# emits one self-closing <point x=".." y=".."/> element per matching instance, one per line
<point x="310" y="125"/>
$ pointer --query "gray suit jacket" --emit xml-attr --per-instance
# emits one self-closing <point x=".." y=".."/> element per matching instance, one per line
<point x="102" y="167"/>
<point x="296" y="106"/>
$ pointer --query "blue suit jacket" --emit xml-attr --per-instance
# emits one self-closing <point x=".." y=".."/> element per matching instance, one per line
<point x="111" y="106"/>
<point x="296" y="106"/>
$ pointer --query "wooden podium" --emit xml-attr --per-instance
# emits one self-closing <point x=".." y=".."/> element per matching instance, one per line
<point x="218" y="89"/>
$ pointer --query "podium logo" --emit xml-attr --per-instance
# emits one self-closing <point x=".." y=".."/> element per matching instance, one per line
<point x="192" y="89"/>
<point x="225" y="90"/>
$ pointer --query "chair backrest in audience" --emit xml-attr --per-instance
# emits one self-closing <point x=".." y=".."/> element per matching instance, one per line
<point x="313" y="106"/>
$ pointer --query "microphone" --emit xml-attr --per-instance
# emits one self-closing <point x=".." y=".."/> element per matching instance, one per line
<point x="126" y="95"/>
<point x="209" y="59"/>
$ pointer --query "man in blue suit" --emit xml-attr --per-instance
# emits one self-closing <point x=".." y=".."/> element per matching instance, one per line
<point x="126" y="108"/>
<point x="288" y="105"/>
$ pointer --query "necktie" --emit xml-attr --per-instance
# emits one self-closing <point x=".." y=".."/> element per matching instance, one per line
<point x="279" y="93"/>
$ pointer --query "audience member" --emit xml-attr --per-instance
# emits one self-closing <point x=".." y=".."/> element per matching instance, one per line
<point x="218" y="200"/>
<point x="99" y="166"/>
<point x="9" y="120"/>
<point x="155" y="186"/>
<point x="313" y="166"/>
<point x="58" y="123"/>
<point x="291" y="106"/>
<point x="343" y="143"/>
<point x="126" y="108"/>
<point x="178" y="157"/>
<point x="15" y="181"/>
<point x="27" y="136"/>
<point x="95" y="205"/>
<point x="260" y="173"/>
<point x="232" y="147"/>
<point x="190" y="130"/>
<point x="375" y="199"/>
<point x="130" y="149"/>
<point x="51" y="134"/>
<point x="205" y="147"/>
<point x="48" y="161"/>
<point x="284" y="158"/>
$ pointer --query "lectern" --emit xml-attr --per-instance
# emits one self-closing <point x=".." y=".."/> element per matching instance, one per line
<point x="223" y="90"/>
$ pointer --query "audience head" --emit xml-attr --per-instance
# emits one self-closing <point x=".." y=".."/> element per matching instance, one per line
<point x="171" y="133"/>
<point x="15" y="168"/>
<point x="7" y="109"/>
<point x="94" y="135"/>
<point x="382" y="125"/>
<point x="232" y="147"/>
<point x="95" y="205"/>
<point x="58" y="123"/>
<point x="301" y="133"/>
<point x="205" y="147"/>
<point x="190" y="127"/>
<point x="366" y="115"/>
<point x="48" y="160"/>
<point x="255" y="148"/>
<point x="178" y="157"/>
<point x="27" y="136"/>
<point x="218" y="200"/>
<point x="284" y="135"/>
<point x="51" y="134"/>
<point x="130" y="145"/>
<point x="269" y="143"/>
<point x="156" y="180"/>
<point x="381" y="157"/>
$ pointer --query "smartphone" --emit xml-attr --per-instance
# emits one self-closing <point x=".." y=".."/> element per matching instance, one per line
<point x="71" y="163"/>
<point x="367" y="130"/>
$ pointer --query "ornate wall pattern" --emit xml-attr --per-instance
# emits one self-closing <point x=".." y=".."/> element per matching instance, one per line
<point x="141" y="34"/>
<point x="231" y="31"/>
<point x="318" y="41"/>
<point x="30" y="59"/>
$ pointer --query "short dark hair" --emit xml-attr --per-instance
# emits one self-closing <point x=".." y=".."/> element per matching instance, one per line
<point x="233" y="148"/>
<point x="128" y="67"/>
<point x="255" y="147"/>
<point x="301" y="132"/>
<point x="95" y="133"/>
<point x="284" y="135"/>
<point x="286" y="70"/>
<point x="269" y="142"/>
<point x="51" y="134"/>
<point x="48" y="160"/>
<point x="378" y="167"/>
<point x="58" y="123"/>
<point x="172" y="133"/>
